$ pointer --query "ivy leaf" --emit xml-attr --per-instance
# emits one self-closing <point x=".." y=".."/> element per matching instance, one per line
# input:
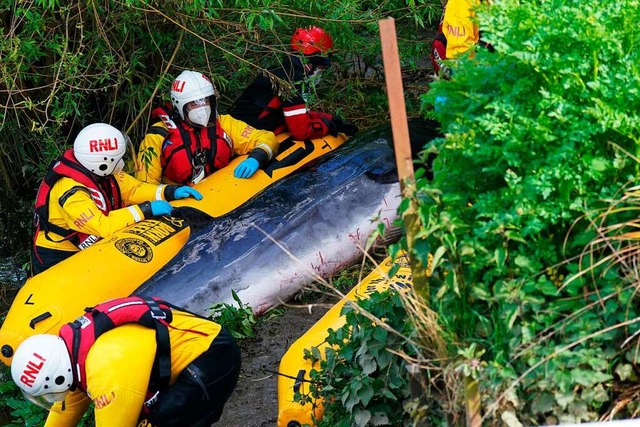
<point x="564" y="399"/>
<point x="367" y="363"/>
<point x="588" y="378"/>
<point x="625" y="371"/>
<point x="599" y="164"/>
<point x="542" y="403"/>
<point x="548" y="288"/>
<point x="524" y="262"/>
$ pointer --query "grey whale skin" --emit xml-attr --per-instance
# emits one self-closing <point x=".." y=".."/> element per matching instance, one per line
<point x="322" y="215"/>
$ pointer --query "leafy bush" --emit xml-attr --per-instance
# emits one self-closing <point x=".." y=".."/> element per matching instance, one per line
<point x="15" y="406"/>
<point x="21" y="412"/>
<point x="240" y="321"/>
<point x="361" y="378"/>
<point x="538" y="141"/>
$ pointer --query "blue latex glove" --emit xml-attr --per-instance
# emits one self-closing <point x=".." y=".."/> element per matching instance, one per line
<point x="440" y="104"/>
<point x="160" y="207"/>
<point x="186" y="191"/>
<point x="246" y="168"/>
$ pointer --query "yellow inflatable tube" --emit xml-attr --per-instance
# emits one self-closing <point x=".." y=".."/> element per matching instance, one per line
<point x="116" y="266"/>
<point x="294" y="368"/>
<point x="112" y="267"/>
<point x="222" y="193"/>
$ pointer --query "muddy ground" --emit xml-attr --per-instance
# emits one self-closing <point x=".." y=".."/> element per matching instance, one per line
<point x="254" y="402"/>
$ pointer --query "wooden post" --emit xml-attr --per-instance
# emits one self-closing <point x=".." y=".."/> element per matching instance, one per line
<point x="402" y="146"/>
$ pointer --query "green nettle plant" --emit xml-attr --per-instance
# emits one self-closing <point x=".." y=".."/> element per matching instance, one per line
<point x="240" y="321"/>
<point x="359" y="377"/>
<point x="18" y="408"/>
<point x="541" y="135"/>
<point x="15" y="405"/>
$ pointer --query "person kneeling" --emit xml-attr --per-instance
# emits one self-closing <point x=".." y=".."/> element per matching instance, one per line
<point x="141" y="361"/>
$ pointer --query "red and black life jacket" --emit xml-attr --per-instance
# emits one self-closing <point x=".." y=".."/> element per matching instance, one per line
<point x="185" y="148"/>
<point x="104" y="191"/>
<point x="80" y="335"/>
<point x="260" y="104"/>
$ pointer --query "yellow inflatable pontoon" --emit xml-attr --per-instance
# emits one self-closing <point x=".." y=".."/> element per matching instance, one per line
<point x="118" y="265"/>
<point x="222" y="193"/>
<point x="294" y="368"/>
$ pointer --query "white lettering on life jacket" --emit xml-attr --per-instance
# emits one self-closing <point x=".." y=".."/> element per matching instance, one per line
<point x="90" y="240"/>
<point x="168" y="122"/>
<point x="98" y="199"/>
<point x="83" y="321"/>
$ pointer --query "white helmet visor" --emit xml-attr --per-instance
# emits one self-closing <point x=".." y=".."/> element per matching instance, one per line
<point x="128" y="162"/>
<point x="50" y="401"/>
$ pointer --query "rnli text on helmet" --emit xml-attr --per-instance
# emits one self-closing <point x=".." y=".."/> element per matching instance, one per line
<point x="97" y="145"/>
<point x="32" y="370"/>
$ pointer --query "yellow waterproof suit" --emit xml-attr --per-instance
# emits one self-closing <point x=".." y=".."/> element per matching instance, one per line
<point x="118" y="369"/>
<point x="72" y="207"/>
<point x="459" y="26"/>
<point x="162" y="156"/>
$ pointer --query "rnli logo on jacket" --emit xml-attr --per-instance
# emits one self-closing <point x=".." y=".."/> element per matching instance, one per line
<point x="104" y="400"/>
<point x="136" y="249"/>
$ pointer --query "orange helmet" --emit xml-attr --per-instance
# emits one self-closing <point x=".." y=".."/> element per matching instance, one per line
<point x="311" y="40"/>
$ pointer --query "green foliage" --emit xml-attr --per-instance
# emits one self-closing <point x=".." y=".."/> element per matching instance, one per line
<point x="360" y="380"/>
<point x="20" y="411"/>
<point x="240" y="321"/>
<point x="538" y="137"/>
<point x="347" y="279"/>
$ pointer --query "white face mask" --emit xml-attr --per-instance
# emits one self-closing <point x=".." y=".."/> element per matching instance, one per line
<point x="200" y="115"/>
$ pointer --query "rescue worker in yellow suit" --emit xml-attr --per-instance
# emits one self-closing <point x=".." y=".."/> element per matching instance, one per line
<point x="457" y="33"/>
<point x="143" y="362"/>
<point x="86" y="196"/>
<point x="190" y="140"/>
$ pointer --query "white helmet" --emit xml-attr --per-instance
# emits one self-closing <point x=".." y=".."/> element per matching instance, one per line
<point x="42" y="369"/>
<point x="192" y="86"/>
<point x="100" y="148"/>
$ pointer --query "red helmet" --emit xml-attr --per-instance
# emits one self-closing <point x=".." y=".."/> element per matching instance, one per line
<point x="311" y="41"/>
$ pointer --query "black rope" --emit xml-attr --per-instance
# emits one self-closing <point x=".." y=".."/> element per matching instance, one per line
<point x="292" y="377"/>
